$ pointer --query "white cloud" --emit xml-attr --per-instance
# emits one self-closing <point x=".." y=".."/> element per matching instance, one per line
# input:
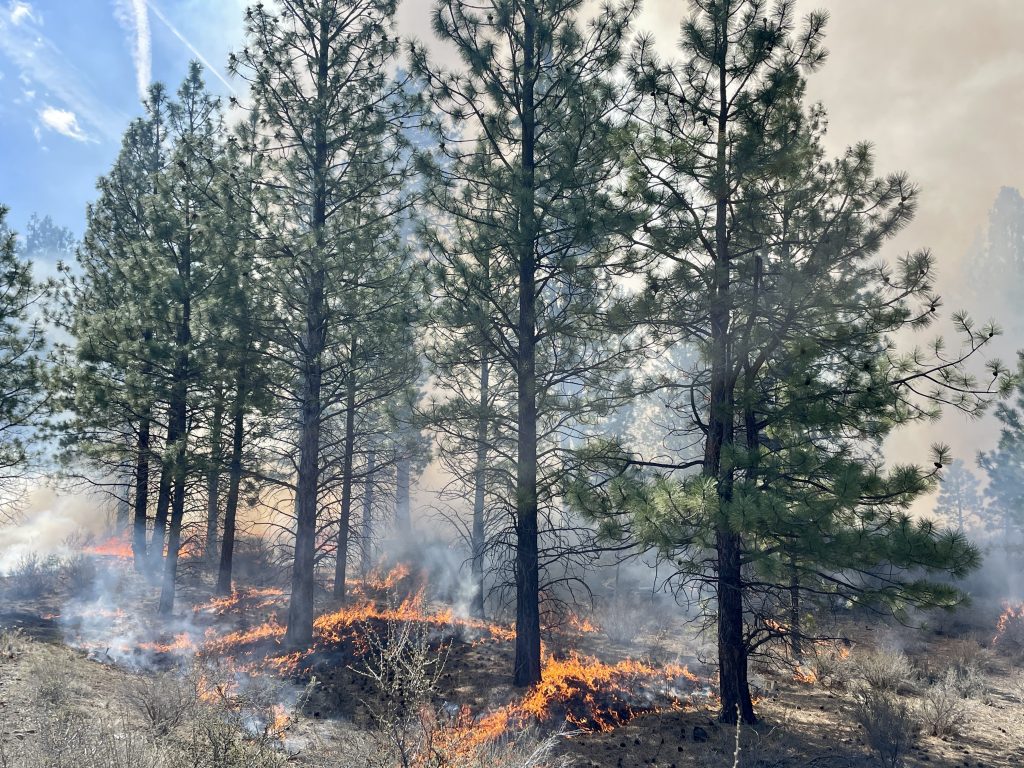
<point x="133" y="15"/>
<point x="63" y="121"/>
<point x="20" y="11"/>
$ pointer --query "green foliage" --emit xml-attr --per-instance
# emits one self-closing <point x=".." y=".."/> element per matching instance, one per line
<point x="23" y="375"/>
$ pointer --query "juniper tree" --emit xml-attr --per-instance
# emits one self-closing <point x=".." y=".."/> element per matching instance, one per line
<point x="329" y="130"/>
<point x="766" y="264"/>
<point x="528" y="160"/>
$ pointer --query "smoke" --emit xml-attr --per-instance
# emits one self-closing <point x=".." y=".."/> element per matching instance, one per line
<point x="51" y="524"/>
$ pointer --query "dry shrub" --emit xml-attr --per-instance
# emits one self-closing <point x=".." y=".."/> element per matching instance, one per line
<point x="622" y="618"/>
<point x="889" y="724"/>
<point x="33" y="576"/>
<point x="78" y="573"/>
<point x="68" y="739"/>
<point x="943" y="712"/>
<point x="12" y="644"/>
<point x="1017" y="686"/>
<point x="53" y="681"/>
<point x="831" y="665"/>
<point x="413" y="728"/>
<point x="164" y="700"/>
<point x="884" y="670"/>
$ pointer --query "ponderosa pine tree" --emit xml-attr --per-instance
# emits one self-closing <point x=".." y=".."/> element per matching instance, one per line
<point x="959" y="500"/>
<point x="22" y="373"/>
<point x="766" y="266"/>
<point x="524" y="178"/>
<point x="330" y="131"/>
<point x="110" y="372"/>
<point x="1004" y="465"/>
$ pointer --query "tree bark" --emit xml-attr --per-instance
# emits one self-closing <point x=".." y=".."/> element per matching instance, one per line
<point x="227" y="547"/>
<point x="403" y="470"/>
<point x="366" y="535"/>
<point x="345" y="523"/>
<point x="141" y="500"/>
<point x="213" y="477"/>
<point x="527" y="668"/>
<point x="795" y="631"/>
<point x="163" y="500"/>
<point x="478" y="542"/>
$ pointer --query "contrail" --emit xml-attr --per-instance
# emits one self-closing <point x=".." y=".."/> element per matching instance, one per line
<point x="174" y="30"/>
<point x="133" y="16"/>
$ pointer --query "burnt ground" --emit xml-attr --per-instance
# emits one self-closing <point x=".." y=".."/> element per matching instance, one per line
<point x="801" y="724"/>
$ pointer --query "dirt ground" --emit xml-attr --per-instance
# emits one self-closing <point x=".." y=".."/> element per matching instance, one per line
<point x="802" y="724"/>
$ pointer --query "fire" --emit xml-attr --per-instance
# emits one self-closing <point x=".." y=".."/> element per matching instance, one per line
<point x="590" y="695"/>
<point x="805" y="676"/>
<point x="582" y="624"/>
<point x="116" y="546"/>
<point x="1010" y="627"/>
<point x="241" y="600"/>
<point x="181" y="642"/>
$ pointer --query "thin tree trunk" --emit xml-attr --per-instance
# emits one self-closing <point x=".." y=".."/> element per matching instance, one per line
<point x="403" y="470"/>
<point x="478" y="541"/>
<point x="366" y="535"/>
<point x="213" y="477"/>
<point x="227" y="546"/>
<point x="141" y="495"/>
<point x="795" y="630"/>
<point x="527" y="669"/>
<point x="345" y="523"/>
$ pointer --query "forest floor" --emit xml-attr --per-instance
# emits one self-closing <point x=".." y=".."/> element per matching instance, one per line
<point x="807" y="719"/>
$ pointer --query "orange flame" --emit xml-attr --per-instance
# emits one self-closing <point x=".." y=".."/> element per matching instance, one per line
<point x="116" y="546"/>
<point x="1011" y="616"/>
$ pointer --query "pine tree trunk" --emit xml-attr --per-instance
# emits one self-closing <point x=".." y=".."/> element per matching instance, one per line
<point x="732" y="647"/>
<point x="163" y="500"/>
<point x="141" y="495"/>
<point x="795" y="631"/>
<point x="345" y="523"/>
<point x="478" y="542"/>
<point x="403" y="470"/>
<point x="227" y="547"/>
<point x="213" y="477"/>
<point x="178" y="446"/>
<point x="366" y="534"/>
<point x="527" y="669"/>
<point x="299" y="633"/>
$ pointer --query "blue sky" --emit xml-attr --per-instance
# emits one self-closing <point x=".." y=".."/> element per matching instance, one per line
<point x="70" y="78"/>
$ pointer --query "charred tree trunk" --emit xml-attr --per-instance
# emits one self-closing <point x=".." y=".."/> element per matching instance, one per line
<point x="478" y="542"/>
<point x="227" y="547"/>
<point x="366" y="535"/>
<point x="345" y="523"/>
<point x="527" y="669"/>
<point x="141" y="500"/>
<point x="213" y="477"/>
